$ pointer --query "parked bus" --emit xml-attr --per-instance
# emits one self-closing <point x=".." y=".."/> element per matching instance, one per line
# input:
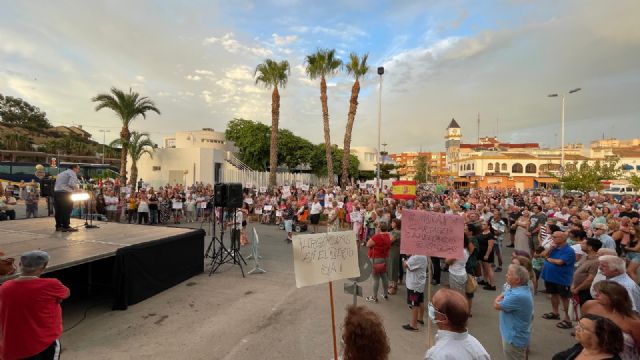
<point x="14" y="172"/>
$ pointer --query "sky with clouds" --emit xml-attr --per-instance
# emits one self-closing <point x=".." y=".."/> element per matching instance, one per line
<point x="442" y="59"/>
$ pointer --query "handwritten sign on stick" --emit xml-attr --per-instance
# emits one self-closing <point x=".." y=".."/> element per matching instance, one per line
<point x="432" y="234"/>
<point x="324" y="257"/>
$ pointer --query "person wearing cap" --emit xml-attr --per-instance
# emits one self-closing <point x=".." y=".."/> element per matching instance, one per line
<point x="66" y="183"/>
<point x="30" y="312"/>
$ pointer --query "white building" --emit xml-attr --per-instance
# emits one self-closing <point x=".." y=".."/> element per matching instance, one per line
<point x="186" y="158"/>
<point x="367" y="156"/>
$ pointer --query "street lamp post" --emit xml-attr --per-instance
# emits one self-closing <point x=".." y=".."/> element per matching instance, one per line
<point x="379" y="183"/>
<point x="563" y="96"/>
<point x="104" y="136"/>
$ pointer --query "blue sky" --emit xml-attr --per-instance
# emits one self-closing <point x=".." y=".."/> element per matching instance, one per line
<point x="443" y="59"/>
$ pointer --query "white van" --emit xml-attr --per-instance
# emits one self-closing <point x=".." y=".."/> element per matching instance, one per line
<point x="620" y="190"/>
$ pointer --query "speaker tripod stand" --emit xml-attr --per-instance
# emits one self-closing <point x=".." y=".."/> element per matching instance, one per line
<point x="220" y="254"/>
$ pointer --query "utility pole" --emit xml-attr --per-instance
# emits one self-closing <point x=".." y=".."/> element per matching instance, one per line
<point x="379" y="183"/>
<point x="104" y="137"/>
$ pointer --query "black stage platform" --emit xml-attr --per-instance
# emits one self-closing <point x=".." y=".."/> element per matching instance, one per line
<point x="134" y="261"/>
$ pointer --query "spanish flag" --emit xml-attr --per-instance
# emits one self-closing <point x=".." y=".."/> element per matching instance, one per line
<point x="404" y="189"/>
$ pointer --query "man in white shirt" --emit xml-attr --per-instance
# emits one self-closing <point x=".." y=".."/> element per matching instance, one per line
<point x="614" y="268"/>
<point x="66" y="183"/>
<point x="449" y="310"/>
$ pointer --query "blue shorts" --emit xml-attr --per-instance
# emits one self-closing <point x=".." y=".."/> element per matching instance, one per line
<point x="633" y="256"/>
<point x="288" y="226"/>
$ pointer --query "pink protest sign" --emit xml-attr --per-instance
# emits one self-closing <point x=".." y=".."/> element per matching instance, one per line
<point x="432" y="234"/>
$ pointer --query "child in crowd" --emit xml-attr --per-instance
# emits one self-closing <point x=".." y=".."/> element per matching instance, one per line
<point x="537" y="262"/>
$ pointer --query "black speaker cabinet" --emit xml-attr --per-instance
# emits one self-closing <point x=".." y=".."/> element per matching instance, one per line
<point x="47" y="186"/>
<point x="234" y="195"/>
<point x="220" y="195"/>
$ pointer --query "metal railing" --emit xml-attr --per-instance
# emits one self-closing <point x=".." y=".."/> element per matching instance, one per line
<point x="233" y="160"/>
<point x="232" y="173"/>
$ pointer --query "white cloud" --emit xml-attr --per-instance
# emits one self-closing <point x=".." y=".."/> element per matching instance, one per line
<point x="193" y="77"/>
<point x="139" y="78"/>
<point x="284" y="40"/>
<point x="342" y="31"/>
<point x="203" y="72"/>
<point x="241" y="72"/>
<point x="207" y="96"/>
<point x="229" y="43"/>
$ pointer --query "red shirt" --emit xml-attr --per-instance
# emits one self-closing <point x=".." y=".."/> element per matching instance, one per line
<point x="30" y="316"/>
<point x="381" y="248"/>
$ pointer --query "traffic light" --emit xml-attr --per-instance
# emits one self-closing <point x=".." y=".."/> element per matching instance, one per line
<point x="54" y="163"/>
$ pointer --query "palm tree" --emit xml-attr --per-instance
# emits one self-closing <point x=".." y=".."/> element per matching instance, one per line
<point x="127" y="107"/>
<point x="324" y="63"/>
<point x="137" y="145"/>
<point x="273" y="74"/>
<point x="358" y="68"/>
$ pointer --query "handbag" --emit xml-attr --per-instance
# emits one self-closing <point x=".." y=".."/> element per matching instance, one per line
<point x="471" y="285"/>
<point x="380" y="268"/>
<point x="574" y="308"/>
<point x="7" y="266"/>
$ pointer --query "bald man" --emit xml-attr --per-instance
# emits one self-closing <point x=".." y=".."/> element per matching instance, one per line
<point x="449" y="311"/>
<point x="557" y="273"/>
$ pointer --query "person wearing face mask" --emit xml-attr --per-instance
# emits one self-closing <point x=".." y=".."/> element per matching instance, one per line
<point x="449" y="311"/>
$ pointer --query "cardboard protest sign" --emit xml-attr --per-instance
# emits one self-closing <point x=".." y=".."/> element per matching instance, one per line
<point x="305" y="187"/>
<point x="325" y="257"/>
<point x="432" y="234"/>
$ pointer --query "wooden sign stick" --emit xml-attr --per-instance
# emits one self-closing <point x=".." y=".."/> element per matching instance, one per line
<point x="333" y="322"/>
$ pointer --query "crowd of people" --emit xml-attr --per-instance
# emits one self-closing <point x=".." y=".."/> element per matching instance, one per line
<point x="582" y="251"/>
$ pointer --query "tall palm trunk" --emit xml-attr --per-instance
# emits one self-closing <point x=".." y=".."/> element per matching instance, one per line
<point x="124" y="141"/>
<point x="273" y="150"/>
<point x="327" y="133"/>
<point x="346" y="154"/>
<point x="134" y="174"/>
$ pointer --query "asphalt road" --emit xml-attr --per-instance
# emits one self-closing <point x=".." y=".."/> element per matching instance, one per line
<point x="225" y="316"/>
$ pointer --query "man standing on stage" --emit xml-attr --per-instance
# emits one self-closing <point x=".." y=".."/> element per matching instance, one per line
<point x="66" y="183"/>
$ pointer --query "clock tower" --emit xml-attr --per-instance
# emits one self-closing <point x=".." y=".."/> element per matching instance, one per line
<point x="453" y="138"/>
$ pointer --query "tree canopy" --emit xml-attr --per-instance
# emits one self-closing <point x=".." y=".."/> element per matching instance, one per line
<point x="17" y="112"/>
<point x="588" y="177"/>
<point x="421" y="170"/>
<point x="252" y="140"/>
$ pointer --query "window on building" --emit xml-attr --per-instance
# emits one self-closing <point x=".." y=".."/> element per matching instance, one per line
<point x="490" y="167"/>
<point x="530" y="168"/>
<point x="516" y="168"/>
<point x="155" y="168"/>
<point x="504" y="167"/>
<point x="627" y="167"/>
<point x="570" y="167"/>
<point x="497" y="167"/>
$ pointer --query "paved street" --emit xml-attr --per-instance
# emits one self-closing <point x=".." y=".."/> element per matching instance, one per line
<point x="260" y="317"/>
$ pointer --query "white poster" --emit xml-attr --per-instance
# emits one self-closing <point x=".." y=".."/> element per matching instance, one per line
<point x="263" y="189"/>
<point x="257" y="211"/>
<point x="268" y="207"/>
<point x="304" y="187"/>
<point x="324" y="257"/>
<point x="177" y="205"/>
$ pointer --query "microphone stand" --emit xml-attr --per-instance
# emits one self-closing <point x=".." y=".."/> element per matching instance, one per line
<point x="88" y="219"/>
